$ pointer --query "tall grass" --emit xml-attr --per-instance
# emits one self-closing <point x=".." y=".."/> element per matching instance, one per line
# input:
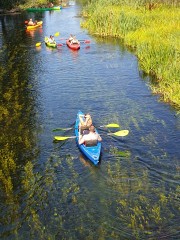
<point x="152" y="34"/>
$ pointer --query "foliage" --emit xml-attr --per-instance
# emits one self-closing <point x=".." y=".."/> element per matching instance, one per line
<point x="153" y="35"/>
<point x="32" y="3"/>
<point x="9" y="4"/>
<point x="150" y="4"/>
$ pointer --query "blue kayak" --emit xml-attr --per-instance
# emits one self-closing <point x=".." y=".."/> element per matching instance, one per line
<point x="91" y="152"/>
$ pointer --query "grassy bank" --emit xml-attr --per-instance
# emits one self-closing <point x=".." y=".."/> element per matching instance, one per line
<point x="152" y="34"/>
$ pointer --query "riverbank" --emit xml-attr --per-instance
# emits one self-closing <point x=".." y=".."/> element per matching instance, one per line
<point x="20" y="6"/>
<point x="152" y="34"/>
<point x="12" y="11"/>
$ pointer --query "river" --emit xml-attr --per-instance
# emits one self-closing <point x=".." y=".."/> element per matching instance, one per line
<point x="49" y="190"/>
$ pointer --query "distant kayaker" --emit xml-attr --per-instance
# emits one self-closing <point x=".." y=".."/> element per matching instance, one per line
<point x="30" y="23"/>
<point x="51" y="39"/>
<point x="51" y="5"/>
<point x="91" y="136"/>
<point x="73" y="40"/>
<point x="70" y="38"/>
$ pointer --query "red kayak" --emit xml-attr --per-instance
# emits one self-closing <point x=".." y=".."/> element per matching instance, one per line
<point x="73" y="46"/>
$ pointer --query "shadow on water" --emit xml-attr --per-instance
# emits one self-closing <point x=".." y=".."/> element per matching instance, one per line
<point x="49" y="190"/>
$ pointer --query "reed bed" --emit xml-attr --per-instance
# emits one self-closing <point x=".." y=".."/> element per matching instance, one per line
<point x="153" y="35"/>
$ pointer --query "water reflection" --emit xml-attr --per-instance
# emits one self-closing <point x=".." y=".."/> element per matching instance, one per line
<point x="74" y="54"/>
<point x="84" y="161"/>
<point x="32" y="32"/>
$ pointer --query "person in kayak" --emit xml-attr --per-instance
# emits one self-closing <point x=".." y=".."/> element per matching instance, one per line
<point x="91" y="136"/>
<point x="70" y="38"/>
<point x="85" y="122"/>
<point x="50" y="5"/>
<point x="73" y="40"/>
<point x="31" y="23"/>
<point x="51" y="39"/>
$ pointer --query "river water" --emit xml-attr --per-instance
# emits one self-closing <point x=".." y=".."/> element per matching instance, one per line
<point x="49" y="190"/>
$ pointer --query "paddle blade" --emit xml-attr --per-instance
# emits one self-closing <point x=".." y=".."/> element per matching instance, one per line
<point x="38" y="44"/>
<point x="112" y="125"/>
<point x="61" y="138"/>
<point x="61" y="129"/>
<point x="56" y="34"/>
<point x="121" y="133"/>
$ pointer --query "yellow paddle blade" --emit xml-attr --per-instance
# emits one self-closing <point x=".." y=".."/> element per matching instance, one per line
<point x="56" y="34"/>
<point x="112" y="125"/>
<point x="62" y="138"/>
<point x="121" y="133"/>
<point x="38" y="44"/>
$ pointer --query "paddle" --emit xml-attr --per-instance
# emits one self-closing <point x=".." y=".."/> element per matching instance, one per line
<point x="121" y="133"/>
<point x="110" y="125"/>
<point x="82" y="41"/>
<point x="61" y="129"/>
<point x="56" y="35"/>
<point x="60" y="44"/>
<point x="61" y="138"/>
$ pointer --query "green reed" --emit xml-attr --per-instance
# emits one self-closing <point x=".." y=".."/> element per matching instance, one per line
<point x="153" y="35"/>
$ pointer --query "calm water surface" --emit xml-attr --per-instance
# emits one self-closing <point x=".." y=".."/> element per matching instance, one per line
<point x="49" y="190"/>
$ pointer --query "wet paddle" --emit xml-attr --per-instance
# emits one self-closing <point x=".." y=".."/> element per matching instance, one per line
<point x="82" y="41"/>
<point x="121" y="133"/>
<point x="61" y="138"/>
<point x="60" y="44"/>
<point x="110" y="125"/>
<point x="61" y="129"/>
<point x="55" y="35"/>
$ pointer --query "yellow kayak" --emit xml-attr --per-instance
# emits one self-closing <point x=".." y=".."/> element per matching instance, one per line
<point x="35" y="26"/>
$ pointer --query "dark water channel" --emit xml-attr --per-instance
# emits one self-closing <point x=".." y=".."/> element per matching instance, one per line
<point x="49" y="190"/>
